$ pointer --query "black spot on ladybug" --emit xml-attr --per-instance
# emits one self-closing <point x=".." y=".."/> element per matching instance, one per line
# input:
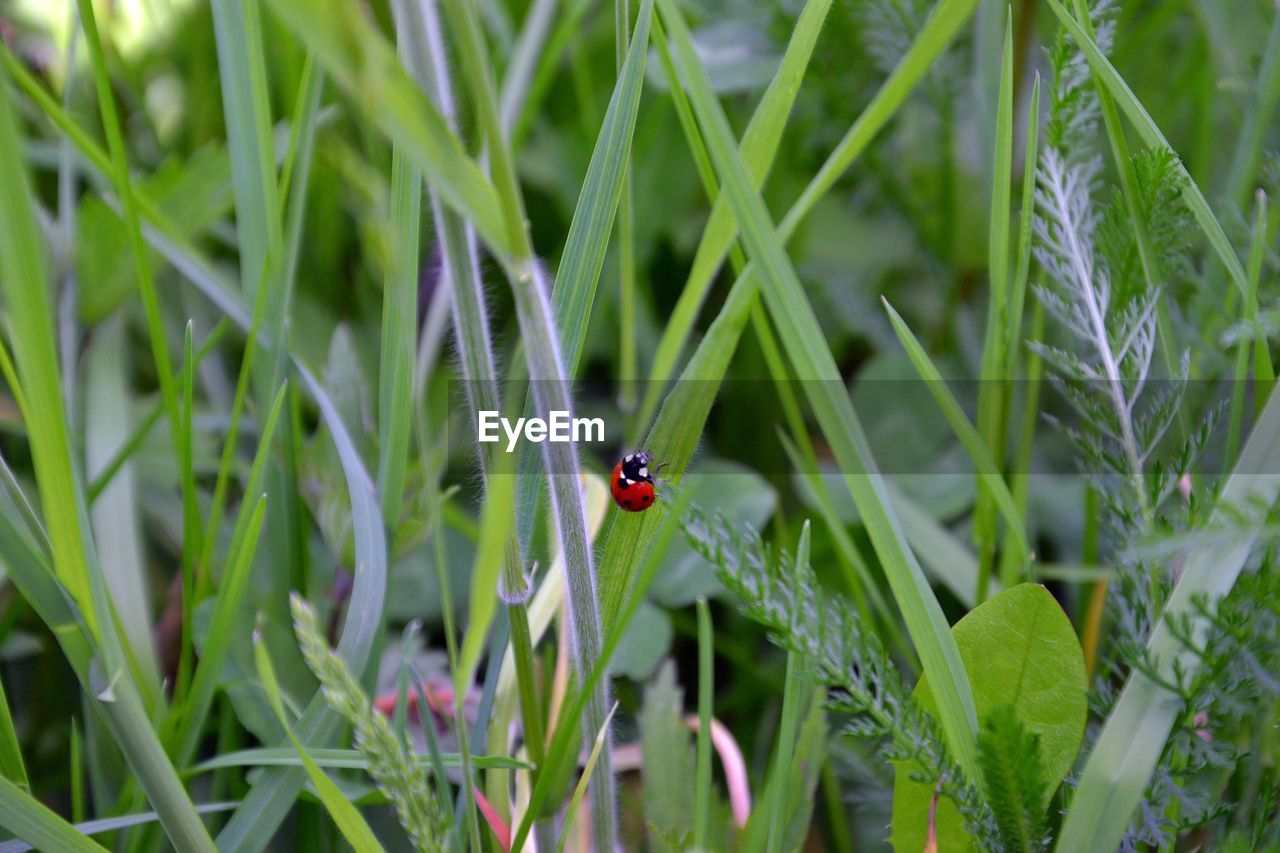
<point x="626" y="502"/>
<point x="645" y="498"/>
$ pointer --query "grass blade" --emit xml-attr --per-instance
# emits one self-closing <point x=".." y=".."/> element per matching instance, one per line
<point x="789" y="725"/>
<point x="399" y="337"/>
<point x="987" y="470"/>
<point x="759" y="148"/>
<point x="30" y="820"/>
<point x="347" y="817"/>
<point x="991" y="390"/>
<point x="813" y="363"/>
<point x="706" y="688"/>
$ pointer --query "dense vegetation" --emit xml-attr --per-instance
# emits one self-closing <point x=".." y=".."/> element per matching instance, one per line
<point x="951" y="323"/>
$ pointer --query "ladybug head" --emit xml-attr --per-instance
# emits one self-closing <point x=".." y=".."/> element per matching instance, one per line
<point x="635" y="466"/>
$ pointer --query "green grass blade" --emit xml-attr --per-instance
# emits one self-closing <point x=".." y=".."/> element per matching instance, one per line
<point x="30" y="820"/>
<point x="580" y="790"/>
<point x="360" y="61"/>
<point x="116" y="525"/>
<point x="230" y="597"/>
<point x="24" y="279"/>
<point x="12" y="766"/>
<point x="706" y="690"/>
<point x="1151" y="135"/>
<point x="991" y="390"/>
<point x="1240" y="377"/>
<point x="345" y="815"/>
<point x="813" y="363"/>
<point x="789" y="725"/>
<point x="338" y="759"/>
<point x="1133" y="737"/>
<point x="987" y="470"/>
<point x="124" y="189"/>
<point x="584" y="250"/>
<point x="399" y="337"/>
<point x="759" y="148"/>
<point x="242" y="69"/>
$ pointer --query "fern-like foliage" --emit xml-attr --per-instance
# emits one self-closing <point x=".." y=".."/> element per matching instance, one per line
<point x="397" y="775"/>
<point x="1013" y="771"/>
<point x="1105" y="296"/>
<point x="845" y="656"/>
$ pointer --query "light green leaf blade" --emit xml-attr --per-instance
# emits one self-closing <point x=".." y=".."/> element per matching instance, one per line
<point x="32" y="821"/>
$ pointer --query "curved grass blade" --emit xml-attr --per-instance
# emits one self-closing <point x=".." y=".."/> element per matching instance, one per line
<point x="347" y="817"/>
<point x="983" y="463"/>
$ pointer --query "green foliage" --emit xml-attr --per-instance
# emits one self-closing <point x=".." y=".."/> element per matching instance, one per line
<point x="303" y="200"/>
<point x="403" y="781"/>
<point x="1013" y="779"/>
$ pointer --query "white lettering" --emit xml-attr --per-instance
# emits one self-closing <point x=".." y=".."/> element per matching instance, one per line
<point x="559" y="428"/>
<point x="587" y="425"/>
<point x="487" y="426"/>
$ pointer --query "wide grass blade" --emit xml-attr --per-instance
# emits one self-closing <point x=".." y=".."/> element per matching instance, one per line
<point x="33" y="822"/>
<point x="24" y="279"/>
<point x="1133" y="737"/>
<point x="584" y="249"/>
<point x="814" y="365"/>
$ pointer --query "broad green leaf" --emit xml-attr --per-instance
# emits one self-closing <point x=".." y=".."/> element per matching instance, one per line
<point x="1020" y="650"/>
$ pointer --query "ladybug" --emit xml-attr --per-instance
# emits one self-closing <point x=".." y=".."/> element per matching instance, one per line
<point x="632" y="484"/>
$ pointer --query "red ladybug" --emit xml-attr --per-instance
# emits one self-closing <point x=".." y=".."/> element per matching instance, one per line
<point x="632" y="484"/>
